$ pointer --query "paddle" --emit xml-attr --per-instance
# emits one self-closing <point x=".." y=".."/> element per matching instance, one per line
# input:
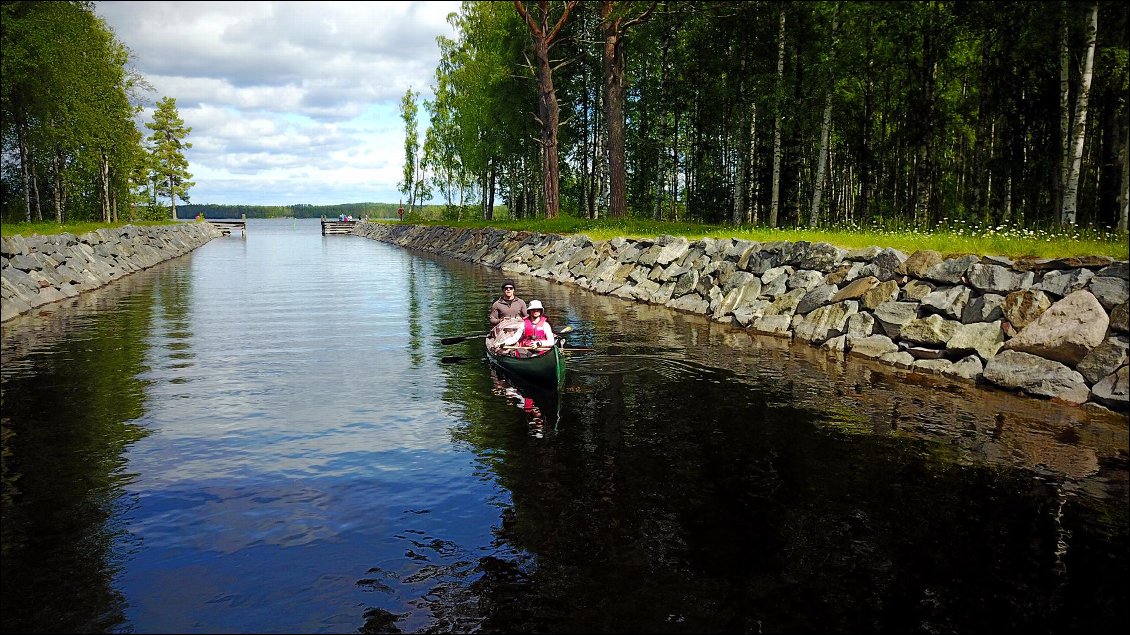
<point x="462" y="338"/>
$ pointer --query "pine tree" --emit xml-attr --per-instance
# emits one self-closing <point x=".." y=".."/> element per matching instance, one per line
<point x="169" y="164"/>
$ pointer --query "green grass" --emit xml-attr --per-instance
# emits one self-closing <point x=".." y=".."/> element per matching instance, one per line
<point x="956" y="238"/>
<point x="1012" y="242"/>
<point x="77" y="228"/>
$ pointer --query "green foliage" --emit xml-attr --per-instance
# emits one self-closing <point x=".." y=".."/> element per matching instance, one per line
<point x="69" y="140"/>
<point x="940" y="110"/>
<point x="169" y="167"/>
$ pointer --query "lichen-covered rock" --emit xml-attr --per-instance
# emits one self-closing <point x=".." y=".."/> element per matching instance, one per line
<point x="919" y="263"/>
<point x="1021" y="308"/>
<point x="982" y="338"/>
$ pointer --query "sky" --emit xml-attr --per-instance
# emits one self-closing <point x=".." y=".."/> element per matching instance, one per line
<point x="288" y="102"/>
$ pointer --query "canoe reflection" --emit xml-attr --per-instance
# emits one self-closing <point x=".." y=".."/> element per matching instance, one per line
<point x="539" y="404"/>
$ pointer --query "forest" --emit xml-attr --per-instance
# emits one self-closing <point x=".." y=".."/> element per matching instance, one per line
<point x="846" y="115"/>
<point x="782" y="114"/>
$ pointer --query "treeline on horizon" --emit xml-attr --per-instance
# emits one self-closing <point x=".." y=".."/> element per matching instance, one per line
<point x="787" y="114"/>
<point x="298" y="210"/>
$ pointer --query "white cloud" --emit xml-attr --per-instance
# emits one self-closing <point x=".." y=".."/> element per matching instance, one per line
<point x="289" y="102"/>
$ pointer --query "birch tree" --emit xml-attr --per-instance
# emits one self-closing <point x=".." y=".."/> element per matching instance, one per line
<point x="1078" y="129"/>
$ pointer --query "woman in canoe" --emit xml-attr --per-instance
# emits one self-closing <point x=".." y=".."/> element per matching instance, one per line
<point x="536" y="329"/>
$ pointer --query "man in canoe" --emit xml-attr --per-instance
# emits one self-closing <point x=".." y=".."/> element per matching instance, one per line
<point x="507" y="306"/>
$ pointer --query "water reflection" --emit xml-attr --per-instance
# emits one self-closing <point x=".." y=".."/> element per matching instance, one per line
<point x="71" y="393"/>
<point x="538" y="404"/>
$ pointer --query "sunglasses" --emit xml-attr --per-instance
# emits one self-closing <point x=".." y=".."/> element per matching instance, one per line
<point x="507" y="288"/>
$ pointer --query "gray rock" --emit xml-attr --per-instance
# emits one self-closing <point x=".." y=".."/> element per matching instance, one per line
<point x="915" y="290"/>
<point x="951" y="270"/>
<point x="1104" y="359"/>
<point x="982" y="338"/>
<point x="861" y="324"/>
<point x="1060" y="283"/>
<point x="1110" y="291"/>
<point x="890" y="316"/>
<point x="1120" y="318"/>
<point x="1036" y="375"/>
<point x="873" y="346"/>
<point x="933" y="366"/>
<point x="998" y="279"/>
<point x="985" y="308"/>
<point x="825" y="322"/>
<point x="773" y="325"/>
<point x="805" y="279"/>
<point x="932" y="330"/>
<point x="816" y="298"/>
<point x="1114" y="391"/>
<point x="949" y="301"/>
<point x="969" y="368"/>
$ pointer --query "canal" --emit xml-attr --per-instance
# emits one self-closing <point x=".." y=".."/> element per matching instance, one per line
<point x="267" y="435"/>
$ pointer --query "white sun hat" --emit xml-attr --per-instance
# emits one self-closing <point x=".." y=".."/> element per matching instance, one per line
<point x="534" y="304"/>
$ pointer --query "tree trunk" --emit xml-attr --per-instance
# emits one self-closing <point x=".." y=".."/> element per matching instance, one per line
<point x="1124" y="192"/>
<point x="104" y="174"/>
<point x="549" y="113"/>
<point x="172" y="198"/>
<point x="751" y="180"/>
<point x="1064" y="108"/>
<point x="1078" y="133"/>
<point x="775" y="200"/>
<point x="57" y="189"/>
<point x="865" y="160"/>
<point x="825" y="127"/>
<point x="25" y="171"/>
<point x="614" y="90"/>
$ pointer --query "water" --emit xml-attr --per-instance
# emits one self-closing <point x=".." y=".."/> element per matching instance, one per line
<point x="267" y="436"/>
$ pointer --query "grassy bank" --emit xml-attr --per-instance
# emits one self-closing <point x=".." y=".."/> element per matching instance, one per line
<point x="49" y="228"/>
<point x="953" y="239"/>
<point x="994" y="241"/>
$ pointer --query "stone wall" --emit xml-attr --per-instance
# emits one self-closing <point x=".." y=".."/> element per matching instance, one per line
<point x="1050" y="328"/>
<point x="38" y="270"/>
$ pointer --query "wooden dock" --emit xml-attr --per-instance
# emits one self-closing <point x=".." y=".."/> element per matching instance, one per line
<point x="338" y="226"/>
<point x="228" y="225"/>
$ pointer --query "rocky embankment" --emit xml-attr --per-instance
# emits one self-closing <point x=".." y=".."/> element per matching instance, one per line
<point x="39" y="270"/>
<point x="1054" y="328"/>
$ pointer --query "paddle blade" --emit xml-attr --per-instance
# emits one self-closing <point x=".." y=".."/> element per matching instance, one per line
<point x="567" y="329"/>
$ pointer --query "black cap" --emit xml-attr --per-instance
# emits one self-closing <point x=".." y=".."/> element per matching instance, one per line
<point x="507" y="283"/>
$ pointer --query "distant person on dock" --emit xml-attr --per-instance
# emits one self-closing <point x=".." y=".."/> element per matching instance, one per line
<point x="507" y="306"/>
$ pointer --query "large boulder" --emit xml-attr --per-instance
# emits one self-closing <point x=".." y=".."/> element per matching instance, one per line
<point x="1066" y="332"/>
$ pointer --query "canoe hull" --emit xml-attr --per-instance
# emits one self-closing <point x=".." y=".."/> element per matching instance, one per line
<point x="546" y="369"/>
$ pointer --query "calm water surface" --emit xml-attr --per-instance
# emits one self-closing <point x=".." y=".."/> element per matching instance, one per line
<point x="267" y="436"/>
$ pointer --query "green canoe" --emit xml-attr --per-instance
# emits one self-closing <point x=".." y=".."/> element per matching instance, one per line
<point x="545" y="368"/>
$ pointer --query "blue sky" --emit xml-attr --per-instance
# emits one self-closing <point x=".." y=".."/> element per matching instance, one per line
<point x="289" y="102"/>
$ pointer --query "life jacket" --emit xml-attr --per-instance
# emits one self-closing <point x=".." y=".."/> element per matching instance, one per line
<point x="534" y="332"/>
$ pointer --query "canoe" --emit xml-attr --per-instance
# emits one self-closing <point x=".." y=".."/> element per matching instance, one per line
<point x="546" y="367"/>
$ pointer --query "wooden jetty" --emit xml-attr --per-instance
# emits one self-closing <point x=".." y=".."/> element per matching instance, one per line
<point x="228" y="225"/>
<point x="335" y="226"/>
